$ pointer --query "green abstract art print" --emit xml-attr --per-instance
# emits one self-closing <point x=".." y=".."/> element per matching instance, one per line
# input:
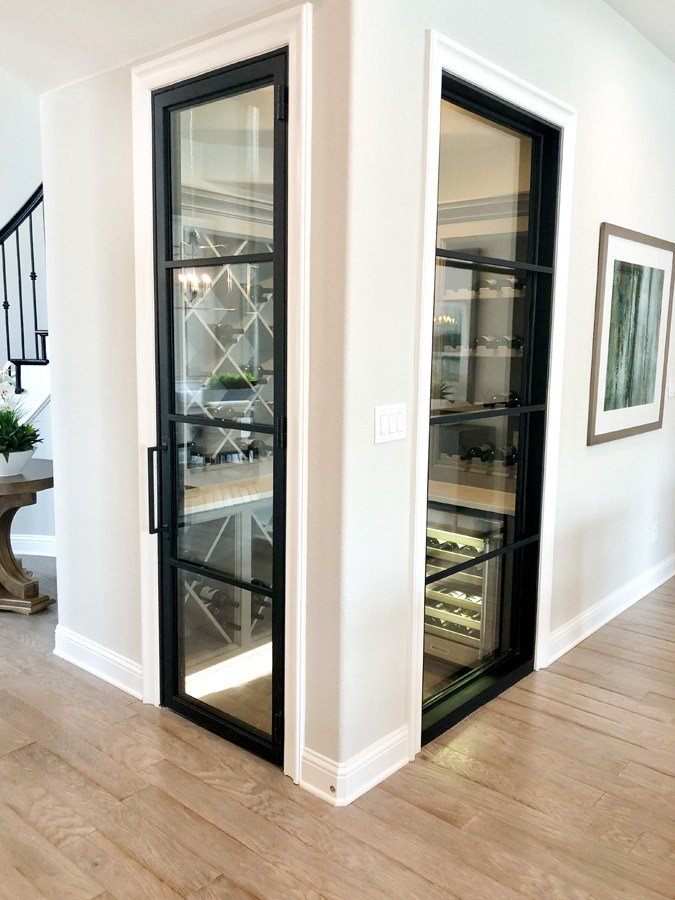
<point x="635" y="319"/>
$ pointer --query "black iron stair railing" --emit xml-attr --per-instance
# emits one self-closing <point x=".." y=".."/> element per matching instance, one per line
<point x="23" y="301"/>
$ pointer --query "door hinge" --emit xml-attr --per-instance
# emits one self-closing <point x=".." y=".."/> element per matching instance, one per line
<point x="282" y="103"/>
<point x="281" y="433"/>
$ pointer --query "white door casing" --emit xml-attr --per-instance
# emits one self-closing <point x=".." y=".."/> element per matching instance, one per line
<point x="445" y="55"/>
<point x="291" y="28"/>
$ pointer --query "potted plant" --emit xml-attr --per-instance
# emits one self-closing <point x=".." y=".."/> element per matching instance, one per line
<point x="17" y="439"/>
<point x="228" y="386"/>
<point x="442" y="395"/>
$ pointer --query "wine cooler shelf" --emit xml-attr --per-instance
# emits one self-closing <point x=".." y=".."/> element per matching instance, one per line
<point x="456" y="607"/>
<point x="505" y="287"/>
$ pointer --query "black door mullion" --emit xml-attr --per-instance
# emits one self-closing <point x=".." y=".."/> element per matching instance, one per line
<point x="279" y="510"/>
<point x="491" y="262"/>
<point x="483" y="413"/>
<point x="479" y="560"/>
<point x="217" y="575"/>
<point x="231" y="424"/>
<point x="231" y="260"/>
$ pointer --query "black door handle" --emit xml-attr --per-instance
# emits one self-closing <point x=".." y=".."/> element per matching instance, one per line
<point x="153" y="527"/>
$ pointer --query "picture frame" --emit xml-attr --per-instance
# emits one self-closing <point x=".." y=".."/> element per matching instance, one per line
<point x="633" y="311"/>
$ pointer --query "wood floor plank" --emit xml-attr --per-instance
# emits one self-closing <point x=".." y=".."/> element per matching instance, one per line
<point x="651" y="779"/>
<point x="418" y="853"/>
<point x="652" y="846"/>
<point x="11" y="738"/>
<point x="16" y="885"/>
<point x="66" y="680"/>
<point x="578" y="684"/>
<point x="524" y="757"/>
<point x="618" y="742"/>
<point x="329" y="876"/>
<point x="544" y="684"/>
<point x="120" y="874"/>
<point x="612" y="633"/>
<point x="469" y="870"/>
<point x="231" y="755"/>
<point x="234" y="860"/>
<point x="45" y="867"/>
<point x="616" y="650"/>
<point x="101" y="767"/>
<point x="133" y="834"/>
<point x="110" y="738"/>
<point x="585" y="835"/>
<point x="42" y="809"/>
<point x="562" y="787"/>
<point x="637" y="627"/>
<point x="563" y="856"/>
<point x="658" y="701"/>
<point x="447" y="788"/>
<point x="220" y="888"/>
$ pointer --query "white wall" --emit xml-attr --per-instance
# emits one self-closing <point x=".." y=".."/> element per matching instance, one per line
<point x="624" y="91"/>
<point x="20" y="174"/>
<point x="20" y="164"/>
<point x="367" y="195"/>
<point x="87" y="178"/>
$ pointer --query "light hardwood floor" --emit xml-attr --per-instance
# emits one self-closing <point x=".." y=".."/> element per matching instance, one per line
<point x="562" y="787"/>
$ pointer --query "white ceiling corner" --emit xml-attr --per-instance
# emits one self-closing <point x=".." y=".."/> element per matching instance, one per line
<point x="50" y="43"/>
<point x="654" y="19"/>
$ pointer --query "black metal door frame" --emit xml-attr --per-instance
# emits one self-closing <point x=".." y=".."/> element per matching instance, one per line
<point x="479" y="685"/>
<point x="270" y="69"/>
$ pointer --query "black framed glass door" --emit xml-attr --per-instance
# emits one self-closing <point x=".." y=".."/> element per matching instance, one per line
<point x="495" y="242"/>
<point x="220" y="204"/>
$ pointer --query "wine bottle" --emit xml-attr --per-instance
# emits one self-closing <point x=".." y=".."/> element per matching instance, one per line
<point x="217" y="597"/>
<point x="487" y="453"/>
<point x="508" y="454"/>
<point x="472" y="453"/>
<point x="225" y="332"/>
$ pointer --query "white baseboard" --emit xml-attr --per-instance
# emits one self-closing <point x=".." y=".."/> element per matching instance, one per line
<point x="580" y="627"/>
<point x="34" y="544"/>
<point x="97" y="659"/>
<point x="340" y="783"/>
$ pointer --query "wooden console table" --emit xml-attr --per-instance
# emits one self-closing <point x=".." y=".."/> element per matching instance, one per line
<point x="18" y="591"/>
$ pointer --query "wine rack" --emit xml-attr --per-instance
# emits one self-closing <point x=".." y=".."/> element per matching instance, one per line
<point x="457" y="612"/>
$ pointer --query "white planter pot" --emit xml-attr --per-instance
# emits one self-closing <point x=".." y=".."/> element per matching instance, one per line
<point x="16" y="464"/>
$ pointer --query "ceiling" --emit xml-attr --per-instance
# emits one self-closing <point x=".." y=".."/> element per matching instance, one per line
<point x="50" y="43"/>
<point x="655" y="19"/>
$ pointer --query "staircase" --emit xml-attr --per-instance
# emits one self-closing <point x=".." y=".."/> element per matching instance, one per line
<point x="23" y="319"/>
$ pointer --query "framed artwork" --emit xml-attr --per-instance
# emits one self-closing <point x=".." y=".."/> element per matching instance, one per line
<point x="633" y="306"/>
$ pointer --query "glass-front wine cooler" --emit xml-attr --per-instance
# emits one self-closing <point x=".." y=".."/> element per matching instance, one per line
<point x="489" y="371"/>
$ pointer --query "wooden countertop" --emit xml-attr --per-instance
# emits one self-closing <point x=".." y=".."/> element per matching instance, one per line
<point x="214" y="487"/>
<point x="473" y="497"/>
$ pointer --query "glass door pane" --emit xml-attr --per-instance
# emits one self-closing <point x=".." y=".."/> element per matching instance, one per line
<point x="465" y="615"/>
<point x="225" y="494"/>
<point x="226" y="635"/>
<point x="479" y="338"/>
<point x="223" y="178"/>
<point x="220" y="159"/>
<point x="484" y="186"/>
<point x="224" y="341"/>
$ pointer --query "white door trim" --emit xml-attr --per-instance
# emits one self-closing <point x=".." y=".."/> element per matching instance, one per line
<point x="444" y="55"/>
<point x="291" y="28"/>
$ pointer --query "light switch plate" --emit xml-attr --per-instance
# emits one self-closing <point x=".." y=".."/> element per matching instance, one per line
<point x="671" y="387"/>
<point x="390" y="423"/>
